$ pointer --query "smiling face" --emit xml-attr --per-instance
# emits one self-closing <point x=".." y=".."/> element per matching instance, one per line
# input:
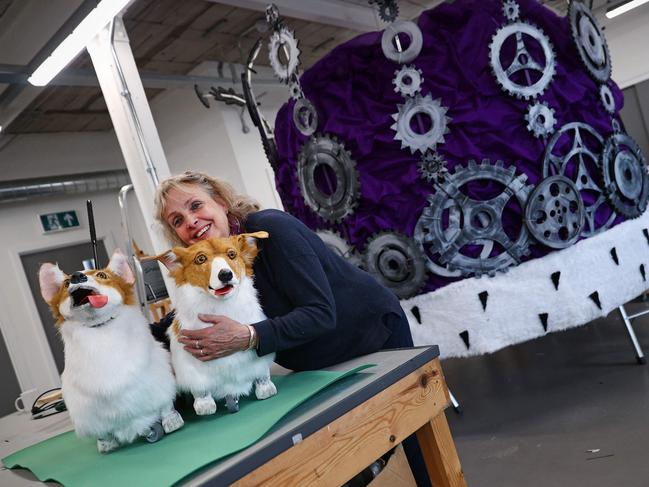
<point x="217" y="265"/>
<point x="194" y="215"/>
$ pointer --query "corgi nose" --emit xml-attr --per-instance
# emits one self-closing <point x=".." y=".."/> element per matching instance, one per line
<point x="225" y="275"/>
<point x="78" y="277"/>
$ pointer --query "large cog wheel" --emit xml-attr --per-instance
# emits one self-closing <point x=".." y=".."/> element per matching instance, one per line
<point x="392" y="31"/>
<point x="516" y="78"/>
<point x="328" y="178"/>
<point x="474" y="223"/>
<point x="339" y="246"/>
<point x="423" y="106"/>
<point x="554" y="214"/>
<point x="624" y="171"/>
<point x="573" y="151"/>
<point x="397" y="262"/>
<point x="540" y="119"/>
<point x="589" y="41"/>
<point x="284" y="39"/>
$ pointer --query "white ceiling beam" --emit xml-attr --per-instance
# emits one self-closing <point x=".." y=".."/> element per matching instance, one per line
<point x="362" y="18"/>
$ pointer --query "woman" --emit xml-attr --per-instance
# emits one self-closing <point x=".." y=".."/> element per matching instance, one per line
<point x="321" y="309"/>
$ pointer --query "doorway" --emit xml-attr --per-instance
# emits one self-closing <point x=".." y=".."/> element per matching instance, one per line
<point x="69" y="260"/>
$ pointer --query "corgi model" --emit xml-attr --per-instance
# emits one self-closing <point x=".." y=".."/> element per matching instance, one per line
<point x="117" y="384"/>
<point x="215" y="276"/>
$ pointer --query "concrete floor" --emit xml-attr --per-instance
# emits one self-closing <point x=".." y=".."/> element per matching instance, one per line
<point x="532" y="411"/>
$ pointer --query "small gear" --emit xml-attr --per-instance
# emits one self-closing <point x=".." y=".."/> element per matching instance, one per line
<point x="397" y="262"/>
<point x="285" y="40"/>
<point x="272" y="16"/>
<point x="407" y="80"/>
<point x="624" y="171"/>
<point x="615" y="125"/>
<point x="426" y="139"/>
<point x="391" y="35"/>
<point x="328" y="179"/>
<point x="467" y="234"/>
<point x="589" y="41"/>
<point x="573" y="151"/>
<point x="305" y="117"/>
<point x="339" y="246"/>
<point x="388" y="9"/>
<point x="554" y="214"/>
<point x="606" y="97"/>
<point x="511" y="10"/>
<point x="540" y="119"/>
<point x="295" y="90"/>
<point x="432" y="167"/>
<point x="524" y="77"/>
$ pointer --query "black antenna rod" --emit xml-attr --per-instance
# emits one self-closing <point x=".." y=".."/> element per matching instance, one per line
<point x="93" y="234"/>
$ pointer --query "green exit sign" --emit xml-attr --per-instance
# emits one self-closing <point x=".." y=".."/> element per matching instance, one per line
<point x="63" y="220"/>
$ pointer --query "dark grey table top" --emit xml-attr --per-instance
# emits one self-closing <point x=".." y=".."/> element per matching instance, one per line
<point x="319" y="411"/>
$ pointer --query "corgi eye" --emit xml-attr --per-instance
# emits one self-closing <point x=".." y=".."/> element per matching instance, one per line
<point x="200" y="259"/>
<point x="66" y="283"/>
<point x="101" y="275"/>
<point x="232" y="254"/>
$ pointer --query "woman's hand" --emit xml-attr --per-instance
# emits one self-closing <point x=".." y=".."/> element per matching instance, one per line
<point x="223" y="338"/>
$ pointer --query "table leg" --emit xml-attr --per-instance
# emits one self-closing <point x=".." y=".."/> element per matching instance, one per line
<point x="440" y="455"/>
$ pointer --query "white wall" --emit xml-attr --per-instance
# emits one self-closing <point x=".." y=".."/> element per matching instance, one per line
<point x="20" y="232"/>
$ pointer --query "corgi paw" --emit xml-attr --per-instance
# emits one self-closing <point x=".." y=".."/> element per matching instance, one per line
<point x="264" y="389"/>
<point x="204" y="405"/>
<point x="107" y="445"/>
<point x="172" y="421"/>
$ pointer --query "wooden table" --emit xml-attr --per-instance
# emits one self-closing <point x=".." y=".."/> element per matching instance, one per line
<point x="328" y="439"/>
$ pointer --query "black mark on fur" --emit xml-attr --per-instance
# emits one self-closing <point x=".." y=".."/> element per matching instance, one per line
<point x="646" y="234"/>
<point x="642" y="271"/>
<point x="614" y="256"/>
<point x="465" y="338"/>
<point x="484" y="295"/>
<point x="544" y="320"/>
<point x="415" y="312"/>
<point x="555" y="279"/>
<point x="595" y="297"/>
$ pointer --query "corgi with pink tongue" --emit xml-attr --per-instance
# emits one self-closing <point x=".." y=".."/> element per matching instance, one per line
<point x="117" y="383"/>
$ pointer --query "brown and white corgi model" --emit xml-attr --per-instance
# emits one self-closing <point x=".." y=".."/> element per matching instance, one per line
<point x="215" y="276"/>
<point x="117" y="383"/>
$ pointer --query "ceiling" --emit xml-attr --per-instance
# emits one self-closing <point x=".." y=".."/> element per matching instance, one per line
<point x="169" y="38"/>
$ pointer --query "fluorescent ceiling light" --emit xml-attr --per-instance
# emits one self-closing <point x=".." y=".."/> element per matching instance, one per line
<point x="77" y="40"/>
<point x="623" y="7"/>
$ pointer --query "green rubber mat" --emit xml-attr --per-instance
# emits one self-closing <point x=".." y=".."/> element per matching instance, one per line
<point x="74" y="462"/>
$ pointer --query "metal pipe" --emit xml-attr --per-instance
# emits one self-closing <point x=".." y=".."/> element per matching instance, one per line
<point x="150" y="166"/>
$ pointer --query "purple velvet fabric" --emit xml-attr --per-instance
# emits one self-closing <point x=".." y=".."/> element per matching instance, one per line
<point x="352" y="89"/>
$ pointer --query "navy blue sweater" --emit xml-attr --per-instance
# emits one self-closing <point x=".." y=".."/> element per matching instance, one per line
<point x="321" y="309"/>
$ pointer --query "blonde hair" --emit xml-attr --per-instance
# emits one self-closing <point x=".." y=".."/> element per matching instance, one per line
<point x="237" y="205"/>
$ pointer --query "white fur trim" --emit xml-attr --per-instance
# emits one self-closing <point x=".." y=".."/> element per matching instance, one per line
<point x="518" y="297"/>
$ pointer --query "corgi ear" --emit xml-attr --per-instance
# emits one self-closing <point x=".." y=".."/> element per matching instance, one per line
<point x="50" y="278"/>
<point x="248" y="245"/>
<point x="251" y="237"/>
<point x="170" y="259"/>
<point x="119" y="265"/>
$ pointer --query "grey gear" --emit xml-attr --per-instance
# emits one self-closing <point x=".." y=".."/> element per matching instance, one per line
<point x="305" y="117"/>
<point x="407" y="80"/>
<point x="540" y="119"/>
<point x="554" y="214"/>
<point x="396" y="262"/>
<point x="615" y="125"/>
<point x="589" y="41"/>
<point x="523" y="61"/>
<point x="479" y="222"/>
<point x="320" y="157"/>
<point x="511" y="10"/>
<point x="339" y="246"/>
<point x="606" y="97"/>
<point x="424" y="105"/>
<point x="272" y="15"/>
<point x="586" y="173"/>
<point x="388" y="9"/>
<point x="432" y="167"/>
<point x="393" y="30"/>
<point x="624" y="171"/>
<point x="295" y="89"/>
<point x="284" y="39"/>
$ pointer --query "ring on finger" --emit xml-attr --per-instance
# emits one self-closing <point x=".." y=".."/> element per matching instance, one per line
<point x="202" y="351"/>
<point x="196" y="344"/>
